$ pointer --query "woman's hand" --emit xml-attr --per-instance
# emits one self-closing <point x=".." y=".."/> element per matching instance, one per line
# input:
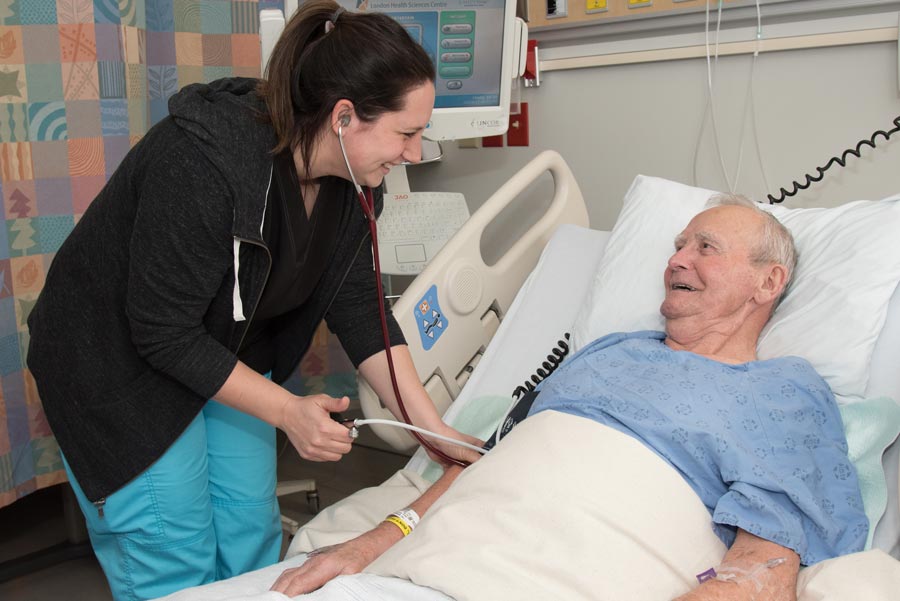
<point x="326" y="563"/>
<point x="309" y="427"/>
<point x="305" y="420"/>
<point x="452" y="450"/>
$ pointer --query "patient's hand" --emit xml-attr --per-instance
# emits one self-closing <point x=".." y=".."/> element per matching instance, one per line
<point x="346" y="558"/>
<point x="715" y="590"/>
<point x="748" y="557"/>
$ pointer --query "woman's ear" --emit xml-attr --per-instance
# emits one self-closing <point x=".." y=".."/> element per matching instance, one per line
<point x="341" y="115"/>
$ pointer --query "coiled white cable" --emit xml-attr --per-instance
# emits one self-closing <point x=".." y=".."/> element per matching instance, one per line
<point x="422" y="431"/>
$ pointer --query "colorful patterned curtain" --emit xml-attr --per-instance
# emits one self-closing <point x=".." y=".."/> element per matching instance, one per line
<point x="80" y="83"/>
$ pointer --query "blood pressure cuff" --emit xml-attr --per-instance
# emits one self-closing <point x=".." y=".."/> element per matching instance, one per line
<point x="518" y="413"/>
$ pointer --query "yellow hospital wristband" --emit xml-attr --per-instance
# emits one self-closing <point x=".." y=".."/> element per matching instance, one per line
<point x="404" y="527"/>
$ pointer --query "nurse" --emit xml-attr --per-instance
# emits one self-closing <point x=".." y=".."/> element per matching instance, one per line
<point x="205" y="264"/>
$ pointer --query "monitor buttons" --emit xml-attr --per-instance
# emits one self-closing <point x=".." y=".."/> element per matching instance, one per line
<point x="456" y="28"/>
<point x="455" y="43"/>
<point x="456" y="57"/>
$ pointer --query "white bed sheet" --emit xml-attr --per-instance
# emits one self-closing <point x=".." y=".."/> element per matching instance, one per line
<point x="253" y="586"/>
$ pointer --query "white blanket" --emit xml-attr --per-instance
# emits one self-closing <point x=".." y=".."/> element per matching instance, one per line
<point x="563" y="508"/>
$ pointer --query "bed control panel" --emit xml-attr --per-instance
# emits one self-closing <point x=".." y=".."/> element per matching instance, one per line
<point x="431" y="321"/>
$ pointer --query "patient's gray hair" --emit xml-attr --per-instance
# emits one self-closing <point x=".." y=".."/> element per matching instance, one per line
<point x="777" y="243"/>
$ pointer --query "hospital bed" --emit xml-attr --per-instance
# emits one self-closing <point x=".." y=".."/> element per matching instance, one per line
<point x="506" y="326"/>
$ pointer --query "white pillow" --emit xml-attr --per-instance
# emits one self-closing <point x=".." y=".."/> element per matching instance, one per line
<point x="848" y="269"/>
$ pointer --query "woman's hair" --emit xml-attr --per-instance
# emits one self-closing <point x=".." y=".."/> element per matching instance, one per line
<point x="325" y="55"/>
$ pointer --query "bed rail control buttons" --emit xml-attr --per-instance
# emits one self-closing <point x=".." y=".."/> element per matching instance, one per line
<point x="430" y="319"/>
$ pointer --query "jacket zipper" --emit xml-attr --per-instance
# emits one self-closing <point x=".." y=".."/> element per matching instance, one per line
<point x="258" y="298"/>
<point x="99" y="505"/>
<point x="262" y="245"/>
<point x="366" y="236"/>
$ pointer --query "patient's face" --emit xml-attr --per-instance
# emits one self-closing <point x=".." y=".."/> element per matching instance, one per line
<point x="711" y="276"/>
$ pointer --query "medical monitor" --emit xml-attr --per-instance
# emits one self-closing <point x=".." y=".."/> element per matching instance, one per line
<point x="471" y="43"/>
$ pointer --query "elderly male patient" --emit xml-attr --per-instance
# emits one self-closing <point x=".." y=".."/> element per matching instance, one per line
<point x="760" y="442"/>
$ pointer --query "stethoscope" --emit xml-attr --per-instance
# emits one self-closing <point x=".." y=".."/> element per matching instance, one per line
<point x="367" y="202"/>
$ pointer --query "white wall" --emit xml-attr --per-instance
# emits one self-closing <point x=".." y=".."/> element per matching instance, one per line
<point x="612" y="123"/>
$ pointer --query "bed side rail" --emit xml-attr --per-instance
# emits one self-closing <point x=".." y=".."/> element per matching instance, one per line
<point x="450" y="312"/>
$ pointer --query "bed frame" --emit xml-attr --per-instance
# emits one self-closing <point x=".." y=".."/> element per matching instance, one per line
<point x="466" y="297"/>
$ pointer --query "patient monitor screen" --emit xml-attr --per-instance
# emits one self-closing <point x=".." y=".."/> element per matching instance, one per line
<point x="464" y="39"/>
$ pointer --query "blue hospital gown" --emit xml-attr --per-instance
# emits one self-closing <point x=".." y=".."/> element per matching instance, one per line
<point x="761" y="443"/>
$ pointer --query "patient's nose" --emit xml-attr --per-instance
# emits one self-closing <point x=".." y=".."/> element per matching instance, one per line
<point x="680" y="260"/>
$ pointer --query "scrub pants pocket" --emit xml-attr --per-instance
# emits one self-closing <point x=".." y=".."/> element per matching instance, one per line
<point x="204" y="511"/>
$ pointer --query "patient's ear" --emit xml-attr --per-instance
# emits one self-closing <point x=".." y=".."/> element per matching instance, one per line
<point x="773" y="282"/>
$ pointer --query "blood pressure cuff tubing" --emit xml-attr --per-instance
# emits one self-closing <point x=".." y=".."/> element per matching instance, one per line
<point x="515" y="416"/>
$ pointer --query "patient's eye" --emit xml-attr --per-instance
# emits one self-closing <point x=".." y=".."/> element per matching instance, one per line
<point x="707" y="244"/>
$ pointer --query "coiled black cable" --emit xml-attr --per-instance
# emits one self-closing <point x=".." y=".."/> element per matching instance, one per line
<point x="842" y="161"/>
<point x="548" y="366"/>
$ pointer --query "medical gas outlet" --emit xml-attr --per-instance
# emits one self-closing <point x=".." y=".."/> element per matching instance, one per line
<point x="557" y="9"/>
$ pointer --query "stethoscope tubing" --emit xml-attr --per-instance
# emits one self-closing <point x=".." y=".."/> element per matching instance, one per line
<point x="367" y="202"/>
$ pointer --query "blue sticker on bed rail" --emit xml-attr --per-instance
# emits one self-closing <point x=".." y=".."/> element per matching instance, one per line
<point x="430" y="319"/>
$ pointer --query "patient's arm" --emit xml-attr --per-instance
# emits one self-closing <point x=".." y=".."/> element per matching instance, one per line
<point x="354" y="555"/>
<point x="749" y="553"/>
<point x="418" y="404"/>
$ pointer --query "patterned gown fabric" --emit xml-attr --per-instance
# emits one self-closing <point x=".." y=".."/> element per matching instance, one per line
<point x="761" y="443"/>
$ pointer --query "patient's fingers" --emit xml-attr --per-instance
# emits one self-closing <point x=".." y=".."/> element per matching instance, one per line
<point x="321" y="566"/>
<point x="314" y="573"/>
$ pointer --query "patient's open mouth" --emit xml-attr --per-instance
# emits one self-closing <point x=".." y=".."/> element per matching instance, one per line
<point x="683" y="287"/>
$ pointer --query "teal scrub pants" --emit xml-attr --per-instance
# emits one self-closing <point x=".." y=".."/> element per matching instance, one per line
<point x="205" y="511"/>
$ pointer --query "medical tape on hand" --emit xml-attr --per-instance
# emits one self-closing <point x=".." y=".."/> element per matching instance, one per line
<point x="736" y="575"/>
<point x="405" y="519"/>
